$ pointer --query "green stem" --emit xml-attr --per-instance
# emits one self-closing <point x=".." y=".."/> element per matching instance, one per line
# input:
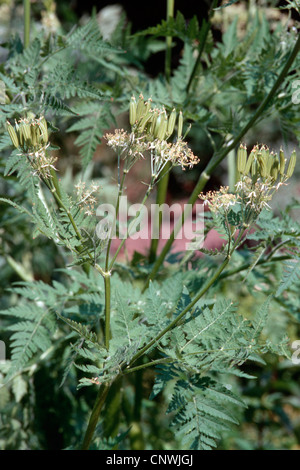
<point x="183" y="313"/>
<point x="53" y="187"/>
<point x="107" y="308"/>
<point x="130" y="226"/>
<point x="170" y="14"/>
<point x="161" y="194"/>
<point x="218" y="157"/>
<point x="26" y="4"/>
<point x="204" y="289"/>
<point x="121" y="184"/>
<point x="100" y="400"/>
<point x="246" y="266"/>
<point x="164" y="180"/>
<point x="201" y="45"/>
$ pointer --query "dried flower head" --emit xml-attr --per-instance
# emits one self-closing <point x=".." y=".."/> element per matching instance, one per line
<point x="261" y="174"/>
<point x="151" y="129"/>
<point x="85" y="197"/>
<point x="220" y="201"/>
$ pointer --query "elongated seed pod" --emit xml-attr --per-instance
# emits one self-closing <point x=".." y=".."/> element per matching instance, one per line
<point x="132" y="111"/>
<point x="163" y="128"/>
<point x="275" y="168"/>
<point x="26" y="131"/>
<point x="153" y="122"/>
<point x="158" y="122"/>
<point x="171" y="122"/>
<point x="144" y="121"/>
<point x="262" y="165"/>
<point x="291" y="165"/>
<point x="249" y="162"/>
<point x="140" y="110"/>
<point x="180" y="125"/>
<point x="254" y="170"/>
<point x="241" y="159"/>
<point x="282" y="162"/>
<point x="12" y="134"/>
<point x="44" y="130"/>
<point x="148" y="105"/>
<point x="35" y="134"/>
<point x="268" y="159"/>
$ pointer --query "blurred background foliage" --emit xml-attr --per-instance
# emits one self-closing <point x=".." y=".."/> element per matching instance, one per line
<point x="35" y="410"/>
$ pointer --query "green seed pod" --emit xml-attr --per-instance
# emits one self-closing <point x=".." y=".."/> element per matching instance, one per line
<point x="35" y="135"/>
<point x="132" y="111"/>
<point x="148" y="106"/>
<point x="270" y="161"/>
<point x="12" y="134"/>
<point x="254" y="170"/>
<point x="25" y="130"/>
<point x="140" y="110"/>
<point x="158" y="122"/>
<point x="163" y="128"/>
<point x="180" y="125"/>
<point x="144" y="121"/>
<point x="241" y="159"/>
<point x="171" y="122"/>
<point x="275" y="168"/>
<point x="262" y="165"/>
<point x="153" y="122"/>
<point x="282" y="162"/>
<point x="43" y="130"/>
<point x="249" y="162"/>
<point x="291" y="165"/>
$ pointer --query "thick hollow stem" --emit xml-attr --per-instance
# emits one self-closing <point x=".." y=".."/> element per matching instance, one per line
<point x="26" y="23"/>
<point x="170" y="14"/>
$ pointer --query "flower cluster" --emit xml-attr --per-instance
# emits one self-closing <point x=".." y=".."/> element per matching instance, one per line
<point x="221" y="200"/>
<point x="150" y="131"/>
<point x="261" y="174"/>
<point x="30" y="135"/>
<point x="85" y="196"/>
<point x="127" y="145"/>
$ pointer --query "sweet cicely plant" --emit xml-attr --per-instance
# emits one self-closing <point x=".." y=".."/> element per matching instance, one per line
<point x="187" y="338"/>
<point x="151" y="351"/>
